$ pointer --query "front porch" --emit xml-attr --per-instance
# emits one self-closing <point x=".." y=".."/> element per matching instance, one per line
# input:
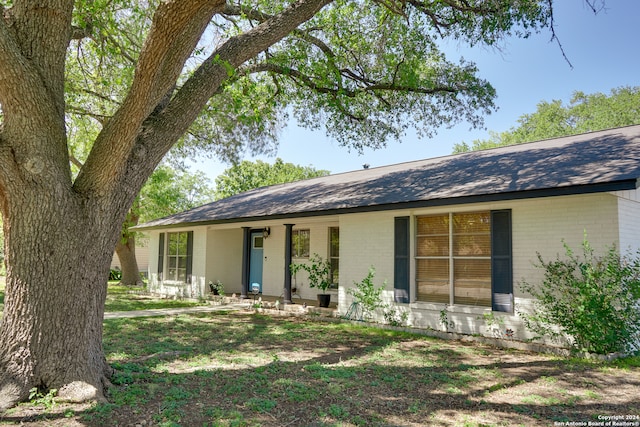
<point x="272" y="302"/>
<point x="296" y="303"/>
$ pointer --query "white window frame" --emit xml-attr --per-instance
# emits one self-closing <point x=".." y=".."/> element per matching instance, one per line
<point x="177" y="277"/>
<point x="296" y="250"/>
<point x="332" y="257"/>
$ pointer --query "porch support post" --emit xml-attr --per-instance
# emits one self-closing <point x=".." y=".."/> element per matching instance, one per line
<point x="246" y="247"/>
<point x="287" y="262"/>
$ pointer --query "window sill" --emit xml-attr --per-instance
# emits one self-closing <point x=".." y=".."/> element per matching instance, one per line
<point x="466" y="309"/>
<point x="174" y="283"/>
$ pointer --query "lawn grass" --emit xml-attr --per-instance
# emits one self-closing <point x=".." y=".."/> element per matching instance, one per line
<point x="245" y="369"/>
<point x="131" y="298"/>
<point x="126" y="298"/>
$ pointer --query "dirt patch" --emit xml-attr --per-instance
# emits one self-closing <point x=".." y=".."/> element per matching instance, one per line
<point x="241" y="369"/>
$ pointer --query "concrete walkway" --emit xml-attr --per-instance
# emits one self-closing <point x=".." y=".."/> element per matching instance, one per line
<point x="174" y="311"/>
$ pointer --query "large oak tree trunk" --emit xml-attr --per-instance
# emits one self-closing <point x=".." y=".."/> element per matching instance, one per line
<point x="58" y="257"/>
<point x="60" y="232"/>
<point x="126" y="251"/>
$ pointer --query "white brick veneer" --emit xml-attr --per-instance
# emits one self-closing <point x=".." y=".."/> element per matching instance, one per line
<point x="367" y="239"/>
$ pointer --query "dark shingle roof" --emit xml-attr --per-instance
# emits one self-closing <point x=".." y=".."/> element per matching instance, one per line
<point x="598" y="161"/>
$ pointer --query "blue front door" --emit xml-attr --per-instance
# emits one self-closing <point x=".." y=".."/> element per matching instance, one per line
<point x="255" y="263"/>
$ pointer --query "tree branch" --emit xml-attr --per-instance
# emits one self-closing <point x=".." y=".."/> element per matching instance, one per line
<point x="32" y="82"/>
<point x="176" y="29"/>
<point x="79" y="33"/>
<point x="43" y="31"/>
<point x="251" y="13"/>
<point x="397" y="7"/>
<point x="122" y="50"/>
<point x="552" y="27"/>
<point x="74" y="160"/>
<point x="304" y="80"/>
<point x="174" y="33"/>
<point x="15" y="68"/>
<point x="100" y="118"/>
<point x="162" y="130"/>
<point x="297" y="76"/>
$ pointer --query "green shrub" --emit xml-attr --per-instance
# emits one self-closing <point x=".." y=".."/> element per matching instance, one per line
<point x="38" y="397"/>
<point x="393" y="316"/>
<point x="367" y="295"/>
<point x="590" y="301"/>
<point x="115" y="274"/>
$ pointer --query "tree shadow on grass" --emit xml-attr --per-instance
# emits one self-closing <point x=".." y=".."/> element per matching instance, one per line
<point x="273" y="372"/>
<point x="316" y="393"/>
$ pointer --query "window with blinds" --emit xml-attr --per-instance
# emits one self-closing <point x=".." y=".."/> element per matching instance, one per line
<point x="453" y="258"/>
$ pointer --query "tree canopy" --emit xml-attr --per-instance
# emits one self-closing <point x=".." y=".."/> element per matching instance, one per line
<point x="249" y="175"/>
<point x="584" y="113"/>
<point x="364" y="71"/>
<point x="166" y="192"/>
<point x="169" y="191"/>
<point x="142" y="77"/>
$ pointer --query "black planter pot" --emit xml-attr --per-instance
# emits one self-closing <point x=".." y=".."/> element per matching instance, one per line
<point x="324" y="300"/>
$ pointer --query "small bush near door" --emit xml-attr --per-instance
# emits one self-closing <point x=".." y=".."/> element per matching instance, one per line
<point x="589" y="300"/>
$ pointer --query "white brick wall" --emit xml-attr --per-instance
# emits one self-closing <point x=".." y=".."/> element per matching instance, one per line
<point x="224" y="259"/>
<point x="197" y="286"/>
<point x="629" y="219"/>
<point x="318" y="244"/>
<point x="153" y="259"/>
<point x="367" y="239"/>
<point x="142" y="254"/>
<point x="538" y="226"/>
<point x="273" y="263"/>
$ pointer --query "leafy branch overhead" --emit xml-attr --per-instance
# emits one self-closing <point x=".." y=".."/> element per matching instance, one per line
<point x="95" y="93"/>
<point x="365" y="71"/>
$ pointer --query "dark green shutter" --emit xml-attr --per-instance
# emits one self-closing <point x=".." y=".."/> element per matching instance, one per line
<point x="501" y="261"/>
<point x="401" y="260"/>
<point x="189" y="255"/>
<point x="160" y="256"/>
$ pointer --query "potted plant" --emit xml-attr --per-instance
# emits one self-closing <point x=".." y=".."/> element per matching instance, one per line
<point x="319" y="273"/>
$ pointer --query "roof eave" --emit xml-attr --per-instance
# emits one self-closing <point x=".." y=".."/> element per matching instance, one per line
<point x="628" y="184"/>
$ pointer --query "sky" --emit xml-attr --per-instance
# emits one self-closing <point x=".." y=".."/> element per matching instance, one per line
<point x="604" y="50"/>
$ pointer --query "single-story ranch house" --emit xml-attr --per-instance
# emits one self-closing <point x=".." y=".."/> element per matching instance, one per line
<point x="447" y="236"/>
